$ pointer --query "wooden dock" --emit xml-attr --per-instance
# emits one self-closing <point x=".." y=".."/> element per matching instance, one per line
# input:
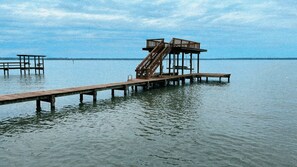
<point x="25" y="64"/>
<point x="176" y="72"/>
<point x="51" y="95"/>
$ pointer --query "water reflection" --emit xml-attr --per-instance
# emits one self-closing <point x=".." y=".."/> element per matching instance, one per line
<point x="171" y="108"/>
<point x="168" y="111"/>
<point x="21" y="83"/>
<point x="45" y="120"/>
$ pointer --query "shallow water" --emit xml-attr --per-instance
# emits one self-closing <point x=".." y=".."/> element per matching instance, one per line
<point x="248" y="122"/>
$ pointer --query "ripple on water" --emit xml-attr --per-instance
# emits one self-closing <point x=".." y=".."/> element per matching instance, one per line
<point x="175" y="126"/>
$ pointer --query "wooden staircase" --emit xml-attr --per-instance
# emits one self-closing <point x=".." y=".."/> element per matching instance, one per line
<point x="153" y="60"/>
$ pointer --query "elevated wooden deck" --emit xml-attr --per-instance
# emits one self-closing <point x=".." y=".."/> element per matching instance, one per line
<point x="50" y="95"/>
<point x="176" y="51"/>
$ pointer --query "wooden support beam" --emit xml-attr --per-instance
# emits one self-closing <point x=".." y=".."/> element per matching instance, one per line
<point x="147" y="86"/>
<point x="39" y="65"/>
<point x="125" y="90"/>
<point x="198" y="62"/>
<point x="38" y="105"/>
<point x="161" y="67"/>
<point x="165" y="83"/>
<point x="191" y="63"/>
<point x="53" y="102"/>
<point x="174" y="64"/>
<point x="183" y="81"/>
<point x="24" y="57"/>
<point x="91" y="93"/>
<point x="20" y="65"/>
<point x="29" y="65"/>
<point x="94" y="96"/>
<point x="50" y="99"/>
<point x="81" y="98"/>
<point x="112" y="92"/>
<point x="169" y="66"/>
<point x="191" y="80"/>
<point x="183" y="62"/>
<point x="42" y="65"/>
<point x="177" y="62"/>
<point x="35" y="65"/>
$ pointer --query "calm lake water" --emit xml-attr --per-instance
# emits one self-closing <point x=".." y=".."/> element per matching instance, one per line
<point x="251" y="121"/>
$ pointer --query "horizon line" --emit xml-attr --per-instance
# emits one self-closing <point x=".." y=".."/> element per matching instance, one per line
<point x="126" y="58"/>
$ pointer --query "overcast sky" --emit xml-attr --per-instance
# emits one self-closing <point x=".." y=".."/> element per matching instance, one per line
<point x="118" y="28"/>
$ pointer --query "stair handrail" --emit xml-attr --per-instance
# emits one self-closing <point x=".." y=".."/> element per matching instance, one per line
<point x="148" y="56"/>
<point x="153" y="66"/>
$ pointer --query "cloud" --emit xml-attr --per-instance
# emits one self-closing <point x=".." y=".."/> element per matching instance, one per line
<point x="31" y="12"/>
<point x="212" y="21"/>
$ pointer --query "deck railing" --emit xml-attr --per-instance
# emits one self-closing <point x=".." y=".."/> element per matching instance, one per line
<point x="185" y="43"/>
<point x="10" y="65"/>
<point x="151" y="43"/>
<point x="143" y="67"/>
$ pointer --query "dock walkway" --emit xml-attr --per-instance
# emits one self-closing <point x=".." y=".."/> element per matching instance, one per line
<point x="50" y="95"/>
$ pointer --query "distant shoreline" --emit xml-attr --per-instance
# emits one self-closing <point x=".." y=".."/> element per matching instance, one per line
<point x="124" y="59"/>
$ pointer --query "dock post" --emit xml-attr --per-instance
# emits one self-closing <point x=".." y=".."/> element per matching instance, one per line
<point x="229" y="79"/>
<point x="29" y="66"/>
<point x="42" y="65"/>
<point x="38" y="105"/>
<point x="136" y="89"/>
<point x="25" y="68"/>
<point x="112" y="92"/>
<point x="191" y="79"/>
<point x="20" y="65"/>
<point x="191" y="63"/>
<point x="53" y="101"/>
<point x="81" y="98"/>
<point x="206" y="79"/>
<point x="125" y="90"/>
<point x="94" y="96"/>
<point x="38" y="65"/>
<point x="183" y="62"/>
<point x="169" y="66"/>
<point x="198" y="62"/>
<point x="165" y="83"/>
<point x="220" y="79"/>
<point x="147" y="87"/>
<point x="35" y="66"/>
